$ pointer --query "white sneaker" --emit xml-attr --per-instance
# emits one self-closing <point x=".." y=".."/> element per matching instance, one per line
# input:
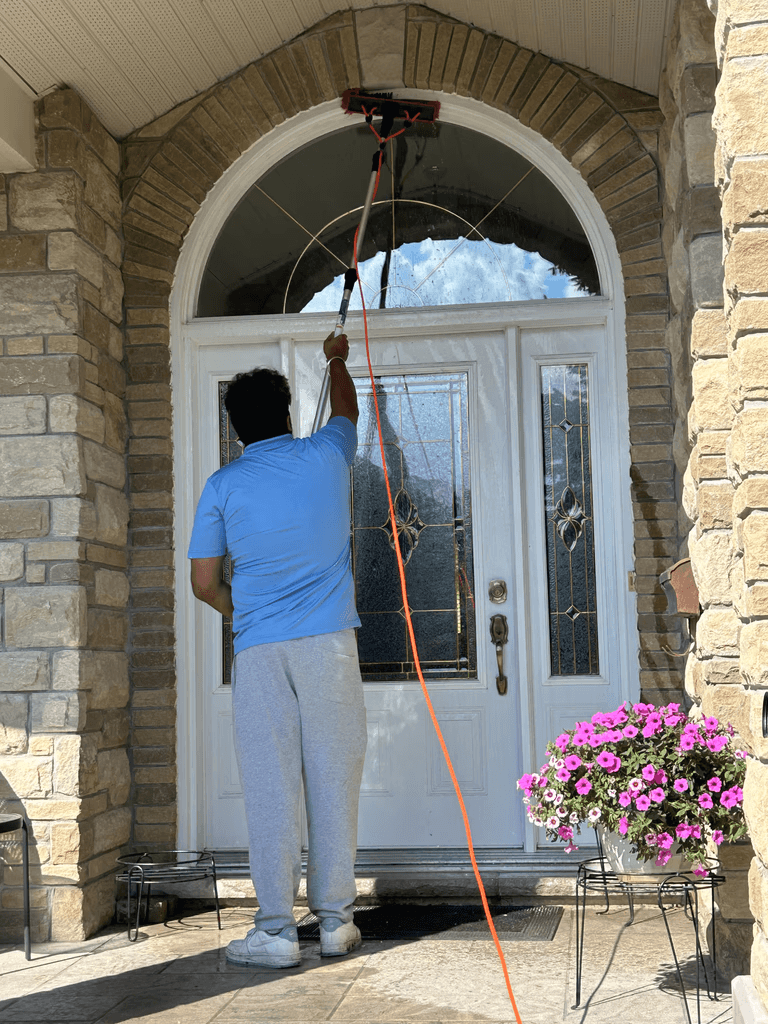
<point x="338" y="938"/>
<point x="260" y="949"/>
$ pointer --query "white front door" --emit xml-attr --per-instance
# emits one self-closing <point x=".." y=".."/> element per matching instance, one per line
<point x="470" y="455"/>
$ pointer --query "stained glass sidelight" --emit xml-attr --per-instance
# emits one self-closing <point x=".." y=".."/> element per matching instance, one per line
<point x="425" y="429"/>
<point x="569" y="522"/>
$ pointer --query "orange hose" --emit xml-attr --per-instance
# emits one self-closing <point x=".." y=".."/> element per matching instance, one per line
<point x="409" y="622"/>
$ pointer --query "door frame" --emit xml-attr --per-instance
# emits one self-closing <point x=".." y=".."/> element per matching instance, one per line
<point x="188" y="334"/>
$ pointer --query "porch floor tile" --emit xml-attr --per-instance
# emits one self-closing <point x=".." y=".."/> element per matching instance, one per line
<point x="177" y="974"/>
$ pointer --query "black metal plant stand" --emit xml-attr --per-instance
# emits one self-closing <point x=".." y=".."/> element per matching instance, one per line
<point x="140" y="871"/>
<point x="594" y="877"/>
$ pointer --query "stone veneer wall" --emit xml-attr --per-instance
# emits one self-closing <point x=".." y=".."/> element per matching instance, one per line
<point x="608" y="132"/>
<point x="734" y="680"/>
<point x="63" y="523"/>
<point x="696" y="339"/>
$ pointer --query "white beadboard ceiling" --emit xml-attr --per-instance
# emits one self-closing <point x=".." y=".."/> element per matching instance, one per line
<point x="133" y="60"/>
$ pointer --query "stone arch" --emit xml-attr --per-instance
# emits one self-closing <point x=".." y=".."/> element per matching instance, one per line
<point x="606" y="131"/>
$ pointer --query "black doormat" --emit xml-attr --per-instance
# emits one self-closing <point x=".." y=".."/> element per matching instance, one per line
<point x="443" y="921"/>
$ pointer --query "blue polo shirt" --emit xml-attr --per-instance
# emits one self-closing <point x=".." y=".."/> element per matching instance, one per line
<point x="281" y="511"/>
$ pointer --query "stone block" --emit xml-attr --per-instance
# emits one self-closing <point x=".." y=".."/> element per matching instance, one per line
<point x="744" y="200"/>
<point x="755" y="801"/>
<point x="115" y="773"/>
<point x="111" y="588"/>
<point x="751" y="494"/>
<point x="747" y="1007"/>
<point x="749" y="367"/>
<point x="712" y="556"/>
<point x="46" y="617"/>
<point x="699" y="145"/>
<point x="711" y="391"/>
<point x="754" y="656"/>
<point x="71" y="842"/>
<point x="31" y="466"/>
<point x="105" y="674"/>
<point x="748" y="446"/>
<point x="44" y="201"/>
<point x="741" y="117"/>
<point x="708" y="334"/>
<point x="73" y="517"/>
<point x="24" y="776"/>
<point x="11" y="561"/>
<point x="746" y="264"/>
<point x="714" y="505"/>
<point x="717" y="633"/>
<point x="33" y="375"/>
<point x="38" y="304"/>
<point x="22" y="415"/>
<point x="381" y="44"/>
<point x="24" y="670"/>
<point x="107" y="628"/>
<point x="75" y="769"/>
<point x="13" y="723"/>
<point x="57" y="712"/>
<point x="105" y="466"/>
<point x="111" y="515"/>
<point x="754" y="538"/>
<point x="67" y="251"/>
<point x="111" y="829"/>
<point x="707" y="273"/>
<point x="55" y="551"/>
<point x="750" y="313"/>
<point x="73" y="415"/>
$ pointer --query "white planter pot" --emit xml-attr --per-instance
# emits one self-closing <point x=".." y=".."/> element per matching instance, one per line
<point x="628" y="867"/>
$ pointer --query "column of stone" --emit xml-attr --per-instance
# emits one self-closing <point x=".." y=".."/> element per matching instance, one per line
<point x="742" y="163"/>
<point x="62" y="475"/>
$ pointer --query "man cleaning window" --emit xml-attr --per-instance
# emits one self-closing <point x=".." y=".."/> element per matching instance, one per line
<point x="281" y="513"/>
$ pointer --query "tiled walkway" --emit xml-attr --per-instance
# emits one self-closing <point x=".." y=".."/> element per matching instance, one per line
<point x="177" y="974"/>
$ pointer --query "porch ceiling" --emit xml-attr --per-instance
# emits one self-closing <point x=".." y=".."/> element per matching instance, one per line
<point x="133" y="60"/>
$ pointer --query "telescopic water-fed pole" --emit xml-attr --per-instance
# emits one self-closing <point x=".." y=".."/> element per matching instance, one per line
<point x="390" y="110"/>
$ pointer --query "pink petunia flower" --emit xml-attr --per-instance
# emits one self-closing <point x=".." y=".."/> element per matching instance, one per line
<point x="716" y="743"/>
<point x="562" y="774"/>
<point x="662" y="857"/>
<point x="717" y="837"/>
<point x="570" y="848"/>
<point x="623" y="826"/>
<point x="605" y="759"/>
<point x="664" y="840"/>
<point x="649" y="773"/>
<point x="705" y="800"/>
<point x="630" y="731"/>
<point x="562" y="741"/>
<point x="657" y="795"/>
<point x="701" y="871"/>
<point x="650" y="839"/>
<point x="583" y="786"/>
<point x="565" y="832"/>
<point x="714" y="785"/>
<point x="595" y="740"/>
<point x="680" y="785"/>
<point x="625" y="799"/>
<point x="642" y="802"/>
<point x="710" y="724"/>
<point x="687" y="742"/>
<point x="572" y="762"/>
<point x="683" y="830"/>
<point x="660" y="778"/>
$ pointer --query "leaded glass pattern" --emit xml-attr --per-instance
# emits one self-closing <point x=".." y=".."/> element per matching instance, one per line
<point x="229" y="450"/>
<point x="568" y="506"/>
<point x="425" y="430"/>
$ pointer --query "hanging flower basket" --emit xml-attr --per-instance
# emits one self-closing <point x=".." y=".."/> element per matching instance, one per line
<point x="649" y="774"/>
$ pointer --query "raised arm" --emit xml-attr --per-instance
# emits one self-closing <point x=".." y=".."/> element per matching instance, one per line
<point x="343" y="394"/>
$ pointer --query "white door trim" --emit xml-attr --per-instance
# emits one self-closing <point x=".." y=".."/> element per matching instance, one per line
<point x="186" y="335"/>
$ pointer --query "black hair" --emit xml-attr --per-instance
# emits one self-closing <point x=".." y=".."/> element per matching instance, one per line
<point x="258" y="404"/>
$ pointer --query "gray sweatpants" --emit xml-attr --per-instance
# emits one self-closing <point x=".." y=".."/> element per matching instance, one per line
<point x="298" y="712"/>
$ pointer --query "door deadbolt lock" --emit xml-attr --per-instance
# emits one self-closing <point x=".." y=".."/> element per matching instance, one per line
<point x="499" y="636"/>
<point x="497" y="591"/>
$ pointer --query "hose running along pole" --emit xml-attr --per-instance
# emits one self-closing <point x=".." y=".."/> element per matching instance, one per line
<point x="389" y="112"/>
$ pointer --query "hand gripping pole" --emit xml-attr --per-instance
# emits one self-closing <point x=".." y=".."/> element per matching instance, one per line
<point x="389" y="112"/>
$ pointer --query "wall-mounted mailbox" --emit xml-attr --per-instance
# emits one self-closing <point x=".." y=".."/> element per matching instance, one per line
<point x="682" y="599"/>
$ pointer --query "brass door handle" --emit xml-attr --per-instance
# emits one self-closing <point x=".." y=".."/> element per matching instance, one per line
<point x="500" y="636"/>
